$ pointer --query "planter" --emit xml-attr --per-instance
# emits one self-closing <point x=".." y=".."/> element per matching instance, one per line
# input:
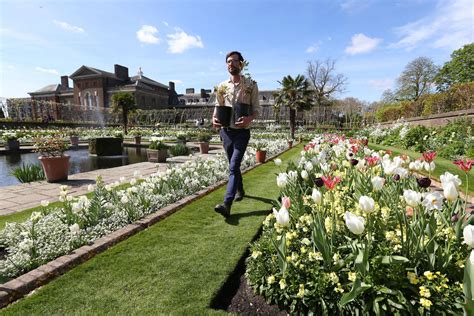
<point x="157" y="155"/>
<point x="290" y="143"/>
<point x="224" y="115"/>
<point x="106" y="146"/>
<point x="12" y="145"/>
<point x="74" y="140"/>
<point x="241" y="109"/>
<point x="55" y="168"/>
<point x="261" y="156"/>
<point x="138" y="140"/>
<point x="204" y="147"/>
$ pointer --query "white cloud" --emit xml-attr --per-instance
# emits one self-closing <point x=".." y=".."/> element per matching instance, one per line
<point x="68" y="27"/>
<point x="177" y="81"/>
<point x="450" y="26"/>
<point x="146" y="34"/>
<point x="313" y="48"/>
<point x="355" y="5"/>
<point x="362" y="44"/>
<point x="49" y="71"/>
<point x="181" y="41"/>
<point x="166" y="23"/>
<point x="381" y="84"/>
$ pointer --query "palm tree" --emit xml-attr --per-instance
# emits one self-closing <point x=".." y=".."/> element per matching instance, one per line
<point x="124" y="102"/>
<point x="296" y="94"/>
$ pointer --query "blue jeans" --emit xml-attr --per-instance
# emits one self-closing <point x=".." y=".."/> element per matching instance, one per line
<point x="235" y="143"/>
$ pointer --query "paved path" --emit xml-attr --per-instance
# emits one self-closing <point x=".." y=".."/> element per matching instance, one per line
<point x="16" y="198"/>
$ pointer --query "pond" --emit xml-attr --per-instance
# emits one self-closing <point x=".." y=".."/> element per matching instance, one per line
<point x="80" y="162"/>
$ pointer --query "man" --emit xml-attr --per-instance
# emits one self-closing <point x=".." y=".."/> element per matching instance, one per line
<point x="235" y="137"/>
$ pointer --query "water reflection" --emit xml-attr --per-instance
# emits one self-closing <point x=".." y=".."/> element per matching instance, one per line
<point x="80" y="162"/>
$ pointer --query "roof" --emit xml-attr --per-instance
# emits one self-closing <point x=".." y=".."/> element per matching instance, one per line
<point x="148" y="81"/>
<point x="85" y="71"/>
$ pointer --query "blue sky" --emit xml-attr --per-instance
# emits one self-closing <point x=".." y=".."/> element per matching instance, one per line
<point x="186" y="41"/>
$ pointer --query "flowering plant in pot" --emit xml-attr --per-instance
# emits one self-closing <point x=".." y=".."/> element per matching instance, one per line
<point x="223" y="113"/>
<point x="137" y="134"/>
<point x="204" y="139"/>
<point x="74" y="137"/>
<point x="53" y="160"/>
<point x="261" y="153"/>
<point x="157" y="151"/>
<point x="11" y="141"/>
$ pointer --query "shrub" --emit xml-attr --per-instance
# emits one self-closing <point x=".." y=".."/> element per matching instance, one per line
<point x="204" y="136"/>
<point x="157" y="145"/>
<point x="416" y="138"/>
<point x="28" y="173"/>
<point x="179" y="150"/>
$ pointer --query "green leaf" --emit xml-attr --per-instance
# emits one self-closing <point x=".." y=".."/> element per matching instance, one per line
<point x="361" y="262"/>
<point x="357" y="288"/>
<point x="468" y="288"/>
<point x="392" y="259"/>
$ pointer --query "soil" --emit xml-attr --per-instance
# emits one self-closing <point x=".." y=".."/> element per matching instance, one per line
<point x="245" y="302"/>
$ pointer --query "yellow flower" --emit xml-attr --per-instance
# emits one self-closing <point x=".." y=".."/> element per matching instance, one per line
<point x="351" y="276"/>
<point x="425" y="303"/>
<point x="412" y="278"/>
<point x="339" y="288"/>
<point x="425" y="292"/>
<point x="271" y="279"/>
<point x="333" y="277"/>
<point x="301" y="291"/>
<point x="282" y="284"/>
<point x="256" y="254"/>
<point x="336" y="257"/>
<point x="328" y="224"/>
<point x="303" y="249"/>
<point x="429" y="275"/>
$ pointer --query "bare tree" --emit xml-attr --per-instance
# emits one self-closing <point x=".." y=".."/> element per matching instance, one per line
<point x="324" y="80"/>
<point x="352" y="110"/>
<point x="417" y="79"/>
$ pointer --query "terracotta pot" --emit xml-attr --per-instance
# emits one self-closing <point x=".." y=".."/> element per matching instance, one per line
<point x="74" y="140"/>
<point x="12" y="145"/>
<point x="55" y="168"/>
<point x="138" y="140"/>
<point x="155" y="155"/>
<point x="261" y="156"/>
<point x="203" y="147"/>
<point x="290" y="144"/>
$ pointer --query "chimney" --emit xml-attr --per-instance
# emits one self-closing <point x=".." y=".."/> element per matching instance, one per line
<point x="203" y="93"/>
<point x="189" y="90"/>
<point x="171" y="86"/>
<point x="121" y="72"/>
<point x="64" y="82"/>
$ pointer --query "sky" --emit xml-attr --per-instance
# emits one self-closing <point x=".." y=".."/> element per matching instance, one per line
<point x="185" y="41"/>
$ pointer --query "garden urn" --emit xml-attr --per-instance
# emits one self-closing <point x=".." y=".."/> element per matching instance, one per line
<point x="56" y="168"/>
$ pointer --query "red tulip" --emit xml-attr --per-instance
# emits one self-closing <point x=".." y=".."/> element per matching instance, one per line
<point x="429" y="156"/>
<point x="464" y="165"/>
<point x="372" y="161"/>
<point x="330" y="182"/>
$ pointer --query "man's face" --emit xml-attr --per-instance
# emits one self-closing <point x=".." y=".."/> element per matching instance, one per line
<point x="233" y="64"/>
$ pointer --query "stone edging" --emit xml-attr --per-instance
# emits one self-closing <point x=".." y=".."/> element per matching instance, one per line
<point x="25" y="283"/>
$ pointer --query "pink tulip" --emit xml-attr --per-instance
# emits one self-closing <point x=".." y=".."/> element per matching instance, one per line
<point x="285" y="201"/>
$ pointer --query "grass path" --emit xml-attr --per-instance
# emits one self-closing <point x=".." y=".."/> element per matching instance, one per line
<point x="174" y="267"/>
<point x="442" y="165"/>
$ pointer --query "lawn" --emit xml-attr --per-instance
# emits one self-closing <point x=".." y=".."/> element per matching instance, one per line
<point x="176" y="266"/>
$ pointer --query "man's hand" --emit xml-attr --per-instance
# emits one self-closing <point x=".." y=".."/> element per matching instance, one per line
<point x="215" y="122"/>
<point x="244" y="121"/>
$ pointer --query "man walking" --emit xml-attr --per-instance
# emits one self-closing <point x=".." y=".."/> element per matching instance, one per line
<point x="233" y="92"/>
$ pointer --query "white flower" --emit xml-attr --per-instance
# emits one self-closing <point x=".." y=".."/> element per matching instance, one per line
<point x="69" y="198"/>
<point x="356" y="224"/>
<point x="277" y="162"/>
<point x="468" y="234"/>
<point x="433" y="201"/>
<point x="122" y="179"/>
<point x="90" y="187"/>
<point x="366" y="203"/>
<point x="282" y="216"/>
<point x="133" y="181"/>
<point x="282" y="180"/>
<point x="35" y="216"/>
<point x="448" y="177"/>
<point x="471" y="256"/>
<point x="136" y="173"/>
<point x="377" y="183"/>
<point x="412" y="198"/>
<point x="108" y="187"/>
<point x="75" y="229"/>
<point x="44" y="203"/>
<point x="304" y="174"/>
<point x="316" y="196"/>
<point x="26" y="245"/>
<point x="388" y="166"/>
<point x="124" y="199"/>
<point x="402" y="172"/>
<point x="450" y="192"/>
<point x="429" y="166"/>
<point x="308" y="166"/>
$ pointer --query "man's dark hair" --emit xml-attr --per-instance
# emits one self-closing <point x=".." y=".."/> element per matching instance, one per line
<point x="241" y="58"/>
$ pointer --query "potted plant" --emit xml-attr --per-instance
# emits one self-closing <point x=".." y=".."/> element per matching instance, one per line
<point x="137" y="134"/>
<point x="290" y="141"/>
<point x="261" y="153"/>
<point x="181" y="138"/>
<point x="74" y="137"/>
<point x="157" y="151"/>
<point x="223" y="113"/>
<point x="53" y="160"/>
<point x="11" y="141"/>
<point x="203" y="141"/>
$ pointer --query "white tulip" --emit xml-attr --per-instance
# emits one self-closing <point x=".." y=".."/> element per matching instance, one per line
<point x="468" y="234"/>
<point x="433" y="201"/>
<point x="74" y="229"/>
<point x="282" y="180"/>
<point x="124" y="199"/>
<point x="44" y="203"/>
<point x="277" y="162"/>
<point x="412" y="198"/>
<point x="366" y="203"/>
<point x="36" y="216"/>
<point x="377" y="183"/>
<point x="450" y="192"/>
<point x="90" y="188"/>
<point x="282" y="216"/>
<point x="402" y="172"/>
<point x="356" y="224"/>
<point x="429" y="166"/>
<point x="471" y="257"/>
<point x="448" y="177"/>
<point x="308" y="166"/>
<point x="388" y="166"/>
<point x="316" y="196"/>
<point x="304" y="174"/>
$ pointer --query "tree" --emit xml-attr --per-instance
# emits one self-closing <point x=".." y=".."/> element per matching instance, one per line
<point x="296" y="94"/>
<point x="417" y="79"/>
<point x="124" y="102"/>
<point x="324" y="81"/>
<point x="352" y="110"/>
<point x="460" y="69"/>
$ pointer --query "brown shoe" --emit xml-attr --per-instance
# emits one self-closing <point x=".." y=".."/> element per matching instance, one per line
<point x="223" y="209"/>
